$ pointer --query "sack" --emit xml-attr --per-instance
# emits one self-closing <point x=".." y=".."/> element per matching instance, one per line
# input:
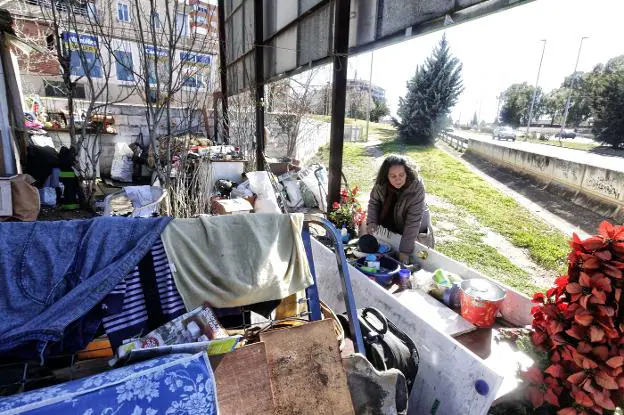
<point x="386" y="346"/>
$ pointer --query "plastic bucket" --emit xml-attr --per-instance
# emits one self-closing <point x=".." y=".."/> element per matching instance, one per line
<point x="480" y="301"/>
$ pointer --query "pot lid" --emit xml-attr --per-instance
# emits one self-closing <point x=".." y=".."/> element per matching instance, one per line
<point x="483" y="289"/>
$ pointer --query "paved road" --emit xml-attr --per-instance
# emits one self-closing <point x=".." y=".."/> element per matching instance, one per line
<point x="579" y="156"/>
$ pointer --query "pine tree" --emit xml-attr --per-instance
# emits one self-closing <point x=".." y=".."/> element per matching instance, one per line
<point x="475" y="120"/>
<point x="431" y="93"/>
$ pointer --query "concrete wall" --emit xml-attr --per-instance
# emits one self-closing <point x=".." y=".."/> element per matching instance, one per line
<point x="599" y="189"/>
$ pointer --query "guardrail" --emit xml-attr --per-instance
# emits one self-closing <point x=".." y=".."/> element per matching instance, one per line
<point x="455" y="141"/>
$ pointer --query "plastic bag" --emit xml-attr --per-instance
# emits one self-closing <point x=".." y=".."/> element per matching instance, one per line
<point x="315" y="179"/>
<point x="260" y="184"/>
<point x="121" y="169"/>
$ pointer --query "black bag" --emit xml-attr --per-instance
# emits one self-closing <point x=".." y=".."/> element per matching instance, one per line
<point x="386" y="346"/>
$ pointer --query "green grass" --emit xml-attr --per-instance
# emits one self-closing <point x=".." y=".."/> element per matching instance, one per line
<point x="453" y="182"/>
<point x="567" y="144"/>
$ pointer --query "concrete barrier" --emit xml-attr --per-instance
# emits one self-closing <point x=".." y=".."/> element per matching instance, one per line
<point x="598" y="189"/>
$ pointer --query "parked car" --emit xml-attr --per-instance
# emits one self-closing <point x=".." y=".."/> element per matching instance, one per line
<point x="566" y="134"/>
<point x="504" y="133"/>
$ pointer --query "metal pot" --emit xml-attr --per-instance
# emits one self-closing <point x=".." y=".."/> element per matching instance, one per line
<point x="480" y="301"/>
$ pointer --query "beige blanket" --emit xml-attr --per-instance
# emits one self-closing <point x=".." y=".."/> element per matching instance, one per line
<point x="236" y="260"/>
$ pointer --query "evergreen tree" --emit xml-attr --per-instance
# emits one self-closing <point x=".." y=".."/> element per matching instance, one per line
<point x="607" y="102"/>
<point x="475" y="120"/>
<point x="431" y="94"/>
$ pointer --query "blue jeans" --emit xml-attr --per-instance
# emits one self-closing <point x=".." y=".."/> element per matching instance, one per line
<point x="53" y="273"/>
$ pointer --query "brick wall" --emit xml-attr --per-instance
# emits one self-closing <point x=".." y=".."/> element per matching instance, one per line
<point x="36" y="62"/>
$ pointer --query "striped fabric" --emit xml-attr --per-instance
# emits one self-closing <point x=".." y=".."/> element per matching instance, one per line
<point x="144" y="300"/>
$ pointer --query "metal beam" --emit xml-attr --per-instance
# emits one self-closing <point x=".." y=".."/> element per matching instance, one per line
<point x="259" y="66"/>
<point x="339" y="98"/>
<point x="223" y="70"/>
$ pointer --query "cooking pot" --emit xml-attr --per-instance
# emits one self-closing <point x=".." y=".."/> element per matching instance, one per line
<point x="480" y="301"/>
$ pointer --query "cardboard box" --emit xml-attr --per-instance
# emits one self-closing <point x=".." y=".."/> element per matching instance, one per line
<point x="231" y="206"/>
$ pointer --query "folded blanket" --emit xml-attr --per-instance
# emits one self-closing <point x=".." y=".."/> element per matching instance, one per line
<point x="236" y="260"/>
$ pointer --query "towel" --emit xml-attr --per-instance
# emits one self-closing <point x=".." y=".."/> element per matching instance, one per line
<point x="237" y="260"/>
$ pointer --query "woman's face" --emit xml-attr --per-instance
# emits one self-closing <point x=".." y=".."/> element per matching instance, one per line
<point x="397" y="176"/>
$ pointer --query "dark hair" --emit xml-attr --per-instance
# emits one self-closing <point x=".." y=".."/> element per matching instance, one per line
<point x="382" y="176"/>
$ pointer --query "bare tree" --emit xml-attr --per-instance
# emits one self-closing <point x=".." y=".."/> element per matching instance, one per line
<point x="73" y="31"/>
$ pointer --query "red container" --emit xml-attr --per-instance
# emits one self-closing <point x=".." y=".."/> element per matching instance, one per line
<point x="480" y="301"/>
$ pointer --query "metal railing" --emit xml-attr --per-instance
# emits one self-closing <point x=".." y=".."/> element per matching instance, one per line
<point x="455" y="141"/>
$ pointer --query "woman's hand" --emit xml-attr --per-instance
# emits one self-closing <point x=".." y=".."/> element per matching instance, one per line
<point x="404" y="258"/>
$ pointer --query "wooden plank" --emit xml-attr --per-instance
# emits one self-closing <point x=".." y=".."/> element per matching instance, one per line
<point x="445" y="383"/>
<point x="437" y="314"/>
<point x="306" y="370"/>
<point x="243" y="383"/>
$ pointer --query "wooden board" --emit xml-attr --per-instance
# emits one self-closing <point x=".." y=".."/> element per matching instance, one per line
<point x="306" y="370"/>
<point x="436" y="313"/>
<point x="243" y="383"/>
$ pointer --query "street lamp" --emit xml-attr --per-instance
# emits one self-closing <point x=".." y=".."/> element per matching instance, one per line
<point x="567" y="105"/>
<point x="539" y="69"/>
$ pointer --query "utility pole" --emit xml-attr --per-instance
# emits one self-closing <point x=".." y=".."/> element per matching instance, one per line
<point x="539" y="69"/>
<point x="370" y="92"/>
<point x="567" y="105"/>
<point x="499" y="99"/>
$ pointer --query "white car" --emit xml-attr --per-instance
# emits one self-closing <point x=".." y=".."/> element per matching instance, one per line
<point x="506" y="133"/>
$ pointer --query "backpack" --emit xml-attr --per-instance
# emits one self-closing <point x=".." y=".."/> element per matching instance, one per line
<point x="386" y="346"/>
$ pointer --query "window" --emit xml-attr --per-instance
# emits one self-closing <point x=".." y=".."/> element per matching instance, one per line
<point x="58" y="89"/>
<point x="182" y="24"/>
<point x="83" y="63"/>
<point x="92" y="12"/>
<point x="124" y="66"/>
<point x="123" y="11"/>
<point x="156" y="20"/>
<point x="194" y="79"/>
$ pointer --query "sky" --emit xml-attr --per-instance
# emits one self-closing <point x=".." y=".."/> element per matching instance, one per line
<point x="504" y="48"/>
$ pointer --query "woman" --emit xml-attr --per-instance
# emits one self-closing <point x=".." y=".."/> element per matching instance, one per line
<point x="397" y="203"/>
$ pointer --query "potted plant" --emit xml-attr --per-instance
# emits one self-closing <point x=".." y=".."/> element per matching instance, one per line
<point x="348" y="212"/>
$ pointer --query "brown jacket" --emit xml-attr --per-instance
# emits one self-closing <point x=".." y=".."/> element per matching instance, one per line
<point x="411" y="214"/>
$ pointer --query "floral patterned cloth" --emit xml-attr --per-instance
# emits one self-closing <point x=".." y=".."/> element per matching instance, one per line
<point x="170" y="385"/>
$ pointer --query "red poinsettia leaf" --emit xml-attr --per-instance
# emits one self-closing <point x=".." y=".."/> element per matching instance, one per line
<point x="576" y="331"/>
<point x="620" y="382"/>
<point x="584" y="347"/>
<point x="596" y="334"/>
<point x="538" y="337"/>
<point x="604" y="255"/>
<point x="604" y="401"/>
<point x="583" y="301"/>
<point x="605" y="311"/>
<point x="598" y="297"/>
<point x="538" y="298"/>
<point x="561" y="281"/>
<point x="618" y="294"/>
<point x="602" y="352"/>
<point x="601" y="282"/>
<point x="582" y="399"/>
<point x="535" y="309"/>
<point x="556" y="371"/>
<point x="584" y="318"/>
<point x="593" y="243"/>
<point x="534" y="375"/>
<point x="536" y="397"/>
<point x="605" y="229"/>
<point x="567" y="411"/>
<point x="615" y="362"/>
<point x="605" y="380"/>
<point x="577" y="377"/>
<point x="612" y="270"/>
<point x="585" y="279"/>
<point x="554" y="327"/>
<point x="574" y="288"/>
<point x="590" y="262"/>
<point x="618" y="247"/>
<point x="589" y="364"/>
<point x="551" y="398"/>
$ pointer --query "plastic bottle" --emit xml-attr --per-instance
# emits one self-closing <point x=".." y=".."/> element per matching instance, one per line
<point x="344" y="234"/>
<point x="404" y="278"/>
<point x="372" y="262"/>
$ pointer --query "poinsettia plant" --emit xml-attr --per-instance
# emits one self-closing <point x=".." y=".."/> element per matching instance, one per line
<point x="578" y="322"/>
<point x="348" y="212"/>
